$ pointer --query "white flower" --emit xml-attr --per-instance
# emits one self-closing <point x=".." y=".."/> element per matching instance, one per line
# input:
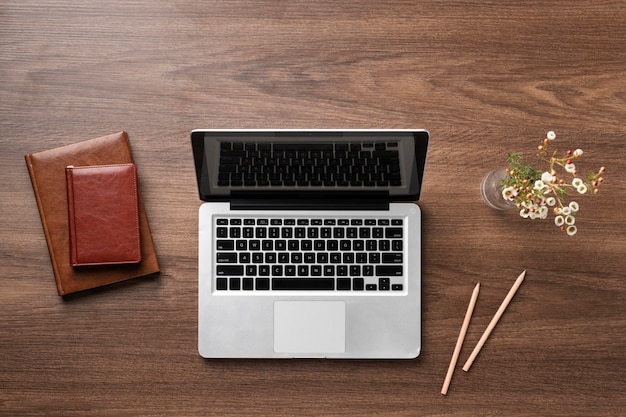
<point x="551" y="201"/>
<point x="546" y="177"/>
<point x="577" y="182"/>
<point x="542" y="213"/>
<point x="540" y="186"/>
<point x="551" y="135"/>
<point x="570" y="220"/>
<point x="571" y="230"/>
<point x="509" y="193"/>
<point x="566" y="210"/>
<point x="570" y="168"/>
<point x="574" y="206"/>
<point x="582" y="189"/>
<point x="524" y="213"/>
<point x="578" y="152"/>
<point x="559" y="220"/>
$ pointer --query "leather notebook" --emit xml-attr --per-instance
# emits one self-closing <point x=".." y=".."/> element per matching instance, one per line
<point x="47" y="174"/>
<point x="103" y="214"/>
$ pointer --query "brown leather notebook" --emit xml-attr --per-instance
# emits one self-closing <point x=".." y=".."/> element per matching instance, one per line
<point x="103" y="214"/>
<point x="47" y="174"/>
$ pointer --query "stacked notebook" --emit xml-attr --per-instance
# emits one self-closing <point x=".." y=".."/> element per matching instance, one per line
<point x="92" y="213"/>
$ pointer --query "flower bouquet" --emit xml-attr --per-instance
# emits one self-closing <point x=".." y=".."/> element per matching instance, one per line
<point x="536" y="193"/>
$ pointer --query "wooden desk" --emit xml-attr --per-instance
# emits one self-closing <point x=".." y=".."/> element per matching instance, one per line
<point x="484" y="78"/>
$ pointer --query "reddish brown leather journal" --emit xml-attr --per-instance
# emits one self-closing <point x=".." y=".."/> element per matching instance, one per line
<point x="103" y="214"/>
<point x="47" y="174"/>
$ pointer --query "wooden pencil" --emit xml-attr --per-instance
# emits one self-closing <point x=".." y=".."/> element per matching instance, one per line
<point x="494" y="321"/>
<point x="459" y="342"/>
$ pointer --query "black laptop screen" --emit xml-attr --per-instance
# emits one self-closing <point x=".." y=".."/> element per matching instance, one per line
<point x="387" y="163"/>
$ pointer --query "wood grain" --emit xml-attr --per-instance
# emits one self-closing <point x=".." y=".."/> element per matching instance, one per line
<point x="485" y="78"/>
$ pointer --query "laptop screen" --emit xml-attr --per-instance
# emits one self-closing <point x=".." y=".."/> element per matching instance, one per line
<point x="325" y="163"/>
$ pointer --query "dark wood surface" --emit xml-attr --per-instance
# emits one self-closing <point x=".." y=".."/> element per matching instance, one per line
<point x="485" y="78"/>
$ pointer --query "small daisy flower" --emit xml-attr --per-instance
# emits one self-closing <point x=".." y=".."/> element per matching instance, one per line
<point x="582" y="189"/>
<point x="571" y="230"/>
<point x="547" y="177"/>
<point x="559" y="221"/>
<point x="577" y="182"/>
<point x="551" y="135"/>
<point x="574" y="206"/>
<point x="578" y="152"/>
<point x="551" y="201"/>
<point x="509" y="193"/>
<point x="570" y="168"/>
<point x="570" y="220"/>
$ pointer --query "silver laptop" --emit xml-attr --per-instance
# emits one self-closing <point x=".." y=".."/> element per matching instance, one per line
<point x="309" y="243"/>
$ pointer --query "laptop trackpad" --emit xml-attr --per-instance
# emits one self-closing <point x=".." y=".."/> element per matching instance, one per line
<point x="309" y="327"/>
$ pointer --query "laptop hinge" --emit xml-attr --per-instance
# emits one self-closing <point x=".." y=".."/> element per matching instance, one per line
<point x="310" y="201"/>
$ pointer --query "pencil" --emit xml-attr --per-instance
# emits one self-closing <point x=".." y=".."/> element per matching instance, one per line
<point x="494" y="320"/>
<point x="459" y="342"/>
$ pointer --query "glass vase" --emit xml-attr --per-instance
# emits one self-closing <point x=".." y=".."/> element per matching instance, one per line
<point x="491" y="190"/>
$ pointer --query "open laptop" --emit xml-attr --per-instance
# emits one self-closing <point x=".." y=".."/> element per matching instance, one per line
<point x="309" y="243"/>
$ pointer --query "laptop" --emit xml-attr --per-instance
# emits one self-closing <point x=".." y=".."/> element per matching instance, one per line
<point x="309" y="243"/>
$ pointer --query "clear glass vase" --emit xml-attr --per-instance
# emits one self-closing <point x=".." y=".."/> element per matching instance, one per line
<point x="491" y="190"/>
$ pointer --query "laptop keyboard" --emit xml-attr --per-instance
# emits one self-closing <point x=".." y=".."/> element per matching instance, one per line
<point x="309" y="254"/>
<point x="268" y="164"/>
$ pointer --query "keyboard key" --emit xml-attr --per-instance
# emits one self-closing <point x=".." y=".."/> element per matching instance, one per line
<point x="393" y="232"/>
<point x="229" y="270"/>
<point x="306" y="284"/>
<point x="358" y="284"/>
<point x="248" y="284"/>
<point x="303" y="146"/>
<point x="344" y="284"/>
<point x="383" y="284"/>
<point x="225" y="245"/>
<point x="222" y="284"/>
<point x="392" y="258"/>
<point x="226" y="258"/>
<point x="263" y="284"/>
<point x="235" y="284"/>
<point x="396" y="287"/>
<point x="389" y="270"/>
